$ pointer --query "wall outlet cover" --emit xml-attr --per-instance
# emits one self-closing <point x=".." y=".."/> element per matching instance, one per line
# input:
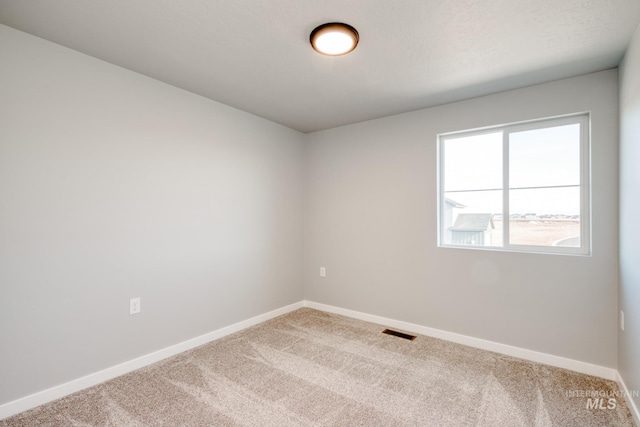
<point x="134" y="306"/>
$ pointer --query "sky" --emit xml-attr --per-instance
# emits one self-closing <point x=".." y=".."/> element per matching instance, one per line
<point x="473" y="171"/>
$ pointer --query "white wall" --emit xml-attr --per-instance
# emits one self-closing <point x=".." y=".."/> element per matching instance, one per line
<point x="629" y="340"/>
<point x="114" y="185"/>
<point x="371" y="221"/>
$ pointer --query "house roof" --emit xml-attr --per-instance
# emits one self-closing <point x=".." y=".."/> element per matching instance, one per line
<point x="454" y="203"/>
<point x="473" y="222"/>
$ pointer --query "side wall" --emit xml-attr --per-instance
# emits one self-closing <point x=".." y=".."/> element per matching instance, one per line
<point x="371" y="215"/>
<point x="629" y="340"/>
<point x="114" y="185"/>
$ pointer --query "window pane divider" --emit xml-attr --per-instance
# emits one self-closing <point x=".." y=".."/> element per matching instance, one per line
<point x="505" y="190"/>
<point x="544" y="187"/>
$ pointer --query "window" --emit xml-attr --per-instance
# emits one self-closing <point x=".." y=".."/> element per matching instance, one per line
<point x="520" y="187"/>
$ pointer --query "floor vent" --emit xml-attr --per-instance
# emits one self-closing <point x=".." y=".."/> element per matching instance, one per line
<point x="399" y="334"/>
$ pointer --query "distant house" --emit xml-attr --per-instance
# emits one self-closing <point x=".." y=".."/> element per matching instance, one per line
<point x="472" y="229"/>
<point x="449" y="205"/>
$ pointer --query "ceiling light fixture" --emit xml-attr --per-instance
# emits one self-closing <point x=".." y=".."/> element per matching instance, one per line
<point x="334" y="38"/>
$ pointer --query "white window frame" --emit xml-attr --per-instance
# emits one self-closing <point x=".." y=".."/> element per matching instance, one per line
<point x="585" y="183"/>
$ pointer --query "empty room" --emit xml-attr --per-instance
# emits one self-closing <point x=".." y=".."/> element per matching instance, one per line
<point x="333" y="213"/>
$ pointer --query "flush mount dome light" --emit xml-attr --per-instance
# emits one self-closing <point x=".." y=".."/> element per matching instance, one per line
<point x="334" y="38"/>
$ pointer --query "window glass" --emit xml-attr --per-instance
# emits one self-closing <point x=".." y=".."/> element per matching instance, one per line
<point x="519" y="187"/>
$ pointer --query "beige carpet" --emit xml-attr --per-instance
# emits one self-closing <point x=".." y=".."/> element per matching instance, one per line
<point x="310" y="368"/>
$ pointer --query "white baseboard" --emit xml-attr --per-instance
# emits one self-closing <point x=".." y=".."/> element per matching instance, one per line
<point x="534" y="356"/>
<point x="53" y="393"/>
<point x="631" y="404"/>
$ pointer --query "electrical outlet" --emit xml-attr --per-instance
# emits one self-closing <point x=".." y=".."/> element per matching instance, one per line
<point x="134" y="306"/>
<point x="323" y="272"/>
<point x="621" y="320"/>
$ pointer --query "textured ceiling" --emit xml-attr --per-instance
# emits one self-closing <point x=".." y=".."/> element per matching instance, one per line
<point x="255" y="55"/>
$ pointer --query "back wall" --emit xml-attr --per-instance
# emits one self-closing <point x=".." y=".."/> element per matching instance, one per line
<point x="371" y="220"/>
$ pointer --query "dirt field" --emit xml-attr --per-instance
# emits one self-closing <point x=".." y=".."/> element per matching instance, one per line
<point x="537" y="232"/>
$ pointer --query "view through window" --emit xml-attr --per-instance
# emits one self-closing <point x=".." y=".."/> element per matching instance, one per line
<point x="520" y="187"/>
